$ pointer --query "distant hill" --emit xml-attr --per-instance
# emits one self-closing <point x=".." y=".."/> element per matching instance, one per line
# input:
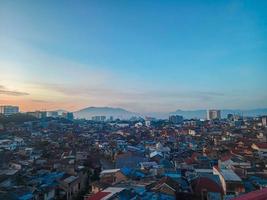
<point x="88" y="113"/>
<point x="202" y="114"/>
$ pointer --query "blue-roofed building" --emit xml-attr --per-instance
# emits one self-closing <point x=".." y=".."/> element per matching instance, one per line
<point x="129" y="159"/>
<point x="47" y="184"/>
<point x="174" y="175"/>
<point x="258" y="182"/>
<point x="132" y="173"/>
<point x="249" y="187"/>
<point x="166" y="163"/>
<point x="28" y="196"/>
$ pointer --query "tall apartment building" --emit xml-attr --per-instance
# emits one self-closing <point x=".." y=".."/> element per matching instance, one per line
<point x="213" y="114"/>
<point x="264" y="120"/>
<point x="9" y="110"/>
<point x="68" y="115"/>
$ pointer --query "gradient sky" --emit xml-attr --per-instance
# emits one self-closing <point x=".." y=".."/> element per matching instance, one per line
<point x="145" y="56"/>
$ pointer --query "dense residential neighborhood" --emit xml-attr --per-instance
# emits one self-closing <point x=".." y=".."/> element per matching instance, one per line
<point x="50" y="156"/>
<point x="133" y="100"/>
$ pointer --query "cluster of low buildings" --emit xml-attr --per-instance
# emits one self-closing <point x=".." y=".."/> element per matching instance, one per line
<point x="45" y="159"/>
<point x="59" y="158"/>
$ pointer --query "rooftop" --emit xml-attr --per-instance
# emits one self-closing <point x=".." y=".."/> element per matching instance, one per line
<point x="255" y="195"/>
<point x="105" y="194"/>
<point x="70" y="179"/>
<point x="109" y="171"/>
<point x="230" y="175"/>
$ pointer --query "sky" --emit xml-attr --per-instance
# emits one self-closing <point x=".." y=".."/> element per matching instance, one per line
<point x="144" y="56"/>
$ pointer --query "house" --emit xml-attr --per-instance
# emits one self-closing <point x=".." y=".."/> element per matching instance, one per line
<point x="258" y="182"/>
<point x="234" y="162"/>
<point x="166" y="185"/>
<point x="129" y="159"/>
<point x="47" y="193"/>
<point x="205" y="184"/>
<point x="261" y="137"/>
<point x="156" y="156"/>
<point x="70" y="186"/>
<point x="112" y="176"/>
<point x="231" y="182"/>
<point x="147" y="165"/>
<point x="132" y="173"/>
<point x="98" y="186"/>
<point x="106" y="194"/>
<point x="19" y="141"/>
<point x="261" y="147"/>
<point x="164" y="150"/>
<point x="255" y="195"/>
<point x="8" y="144"/>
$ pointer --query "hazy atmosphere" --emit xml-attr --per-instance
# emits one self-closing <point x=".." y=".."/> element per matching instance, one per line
<point x="133" y="100"/>
<point x="144" y="56"/>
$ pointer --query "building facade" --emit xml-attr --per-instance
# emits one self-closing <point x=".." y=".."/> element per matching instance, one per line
<point x="9" y="110"/>
<point x="213" y="114"/>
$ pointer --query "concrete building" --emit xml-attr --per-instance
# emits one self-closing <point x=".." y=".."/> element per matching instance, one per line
<point x="53" y="114"/>
<point x="232" y="184"/>
<point x="112" y="176"/>
<point x="68" y="115"/>
<point x="9" y="110"/>
<point x="264" y="121"/>
<point x="38" y="114"/>
<point x="213" y="114"/>
<point x="71" y="186"/>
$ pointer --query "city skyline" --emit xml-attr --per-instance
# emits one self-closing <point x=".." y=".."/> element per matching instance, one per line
<point x="141" y="56"/>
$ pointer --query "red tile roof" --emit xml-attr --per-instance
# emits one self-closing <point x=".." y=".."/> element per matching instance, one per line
<point x="189" y="161"/>
<point x="98" y="196"/>
<point x="168" y="181"/>
<point x="206" y="183"/>
<point x="255" y="195"/>
<point x="262" y="145"/>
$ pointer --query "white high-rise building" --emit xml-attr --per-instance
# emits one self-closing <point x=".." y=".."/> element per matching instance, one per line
<point x="213" y="114"/>
<point x="264" y="120"/>
<point x="9" y="110"/>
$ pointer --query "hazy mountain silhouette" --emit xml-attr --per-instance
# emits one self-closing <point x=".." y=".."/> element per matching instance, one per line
<point x="88" y="113"/>
<point x="202" y="114"/>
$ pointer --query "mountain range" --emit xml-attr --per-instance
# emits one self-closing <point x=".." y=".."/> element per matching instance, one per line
<point x="201" y="114"/>
<point x="89" y="112"/>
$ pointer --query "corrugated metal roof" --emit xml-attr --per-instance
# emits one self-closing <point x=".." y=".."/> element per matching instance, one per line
<point x="230" y="175"/>
<point x="255" y="195"/>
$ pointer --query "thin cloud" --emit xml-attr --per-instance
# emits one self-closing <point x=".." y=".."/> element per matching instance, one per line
<point x="40" y="101"/>
<point x="96" y="92"/>
<point x="5" y="91"/>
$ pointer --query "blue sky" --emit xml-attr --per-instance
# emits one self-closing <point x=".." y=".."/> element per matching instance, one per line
<point x="145" y="56"/>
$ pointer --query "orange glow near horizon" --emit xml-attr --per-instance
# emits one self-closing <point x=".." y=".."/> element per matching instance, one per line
<point x="30" y="105"/>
